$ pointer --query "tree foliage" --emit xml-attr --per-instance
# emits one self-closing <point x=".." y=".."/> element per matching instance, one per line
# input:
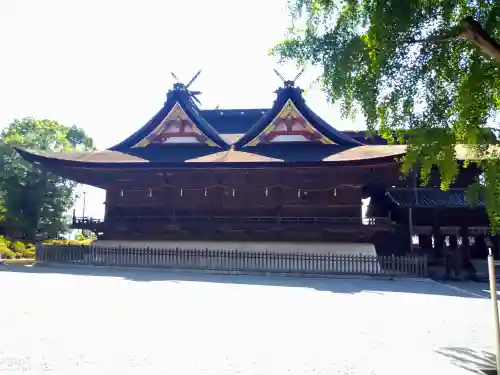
<point x="411" y="69"/>
<point x="32" y="199"/>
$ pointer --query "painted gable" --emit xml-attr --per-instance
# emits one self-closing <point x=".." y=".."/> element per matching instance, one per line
<point x="176" y="128"/>
<point x="289" y="126"/>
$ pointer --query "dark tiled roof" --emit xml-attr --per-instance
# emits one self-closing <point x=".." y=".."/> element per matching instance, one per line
<point x="233" y="121"/>
<point x="240" y="121"/>
<point x="431" y="197"/>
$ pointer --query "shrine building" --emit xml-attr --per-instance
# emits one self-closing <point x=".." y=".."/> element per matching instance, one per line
<point x="277" y="175"/>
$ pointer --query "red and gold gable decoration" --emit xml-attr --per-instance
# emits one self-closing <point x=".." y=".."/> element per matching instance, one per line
<point x="289" y="126"/>
<point x="176" y="128"/>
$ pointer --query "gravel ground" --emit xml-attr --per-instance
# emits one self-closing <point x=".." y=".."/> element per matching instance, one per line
<point x="88" y="321"/>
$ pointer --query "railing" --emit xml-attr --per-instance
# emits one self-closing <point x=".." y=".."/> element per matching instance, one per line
<point x="242" y="261"/>
<point x="86" y="221"/>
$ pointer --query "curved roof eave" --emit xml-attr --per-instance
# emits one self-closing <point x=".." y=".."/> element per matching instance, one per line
<point x="113" y="158"/>
<point x="173" y="98"/>
<point x="366" y="153"/>
<point x="295" y="95"/>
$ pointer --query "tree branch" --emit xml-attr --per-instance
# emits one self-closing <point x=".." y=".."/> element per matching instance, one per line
<point x="470" y="30"/>
<point x="443" y="38"/>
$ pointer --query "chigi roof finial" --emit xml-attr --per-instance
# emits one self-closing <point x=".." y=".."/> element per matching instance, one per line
<point x="288" y="83"/>
<point x="179" y="86"/>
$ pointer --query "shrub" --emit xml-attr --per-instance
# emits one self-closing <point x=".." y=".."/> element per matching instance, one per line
<point x="85" y="237"/>
<point x="7" y="253"/>
<point x="5" y="250"/>
<point x="68" y="242"/>
<point x="23" y="250"/>
<point x="18" y="247"/>
<point x="4" y="242"/>
<point x="28" y="254"/>
<point x="86" y="242"/>
<point x="30" y="246"/>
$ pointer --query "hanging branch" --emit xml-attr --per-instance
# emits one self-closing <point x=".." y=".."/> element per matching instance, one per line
<point x="469" y="29"/>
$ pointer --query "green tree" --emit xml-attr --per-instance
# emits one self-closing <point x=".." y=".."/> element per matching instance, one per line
<point x="419" y="70"/>
<point x="33" y="199"/>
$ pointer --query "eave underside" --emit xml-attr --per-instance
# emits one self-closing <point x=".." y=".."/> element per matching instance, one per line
<point x="150" y="175"/>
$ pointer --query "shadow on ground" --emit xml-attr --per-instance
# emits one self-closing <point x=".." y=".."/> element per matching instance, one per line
<point x="476" y="362"/>
<point x="346" y="285"/>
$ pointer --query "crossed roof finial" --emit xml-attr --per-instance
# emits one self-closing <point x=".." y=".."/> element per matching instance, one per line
<point x="182" y="87"/>
<point x="289" y="83"/>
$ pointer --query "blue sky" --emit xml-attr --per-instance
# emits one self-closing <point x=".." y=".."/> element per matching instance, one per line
<point x="105" y="65"/>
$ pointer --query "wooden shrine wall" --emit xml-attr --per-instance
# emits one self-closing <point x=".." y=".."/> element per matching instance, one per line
<point x="297" y="192"/>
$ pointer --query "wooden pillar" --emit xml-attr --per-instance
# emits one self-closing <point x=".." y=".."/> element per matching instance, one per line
<point x="425" y="242"/>
<point x="481" y="250"/>
<point x="410" y="228"/>
<point x="437" y="235"/>
<point x="453" y="244"/>
<point x="465" y="246"/>
<point x="438" y="241"/>
<point x="455" y="255"/>
<point x="421" y="240"/>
